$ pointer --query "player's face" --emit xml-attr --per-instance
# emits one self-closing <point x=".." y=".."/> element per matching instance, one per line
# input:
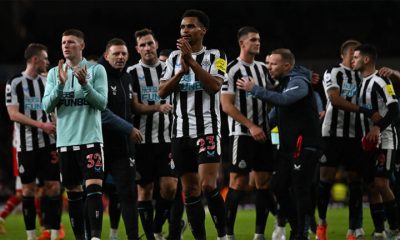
<point x="42" y="62"/>
<point x="267" y="60"/>
<point x="277" y="67"/>
<point x="192" y="30"/>
<point x="147" y="48"/>
<point x="251" y="43"/>
<point x="163" y="58"/>
<point x="72" y="47"/>
<point x="117" y="56"/>
<point x="357" y="63"/>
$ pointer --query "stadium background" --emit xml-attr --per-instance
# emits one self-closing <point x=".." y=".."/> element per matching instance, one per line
<point x="313" y="30"/>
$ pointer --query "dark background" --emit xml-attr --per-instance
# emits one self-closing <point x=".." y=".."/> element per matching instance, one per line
<point x="311" y="29"/>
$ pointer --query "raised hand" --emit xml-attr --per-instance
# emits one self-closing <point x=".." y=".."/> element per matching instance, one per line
<point x="80" y="74"/>
<point x="186" y="50"/>
<point x="62" y="73"/>
<point x="165" y="108"/>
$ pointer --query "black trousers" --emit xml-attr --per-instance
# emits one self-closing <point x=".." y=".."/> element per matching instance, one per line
<point x="292" y="184"/>
<point x="123" y="172"/>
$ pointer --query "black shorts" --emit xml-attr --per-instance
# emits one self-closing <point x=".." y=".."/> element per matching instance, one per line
<point x="247" y="154"/>
<point x="188" y="153"/>
<point x="83" y="164"/>
<point x="153" y="160"/>
<point x="342" y="151"/>
<point x="42" y="164"/>
<point x="378" y="163"/>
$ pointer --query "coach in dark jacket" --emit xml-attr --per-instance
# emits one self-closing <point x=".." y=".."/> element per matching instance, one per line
<point x="118" y="132"/>
<point x="299" y="135"/>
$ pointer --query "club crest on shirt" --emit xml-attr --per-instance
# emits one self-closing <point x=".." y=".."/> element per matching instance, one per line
<point x="114" y="90"/>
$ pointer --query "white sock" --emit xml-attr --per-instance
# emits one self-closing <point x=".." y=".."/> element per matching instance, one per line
<point x="55" y="233"/>
<point x="113" y="232"/>
<point x="31" y="234"/>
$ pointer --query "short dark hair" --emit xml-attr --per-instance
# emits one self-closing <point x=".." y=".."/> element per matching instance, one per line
<point x="200" y="15"/>
<point x="115" y="41"/>
<point x="246" y="30"/>
<point x="348" y="43"/>
<point x="33" y="49"/>
<point x="165" y="52"/>
<point x="368" y="50"/>
<point x="287" y="55"/>
<point x="143" y="32"/>
<point x="74" y="32"/>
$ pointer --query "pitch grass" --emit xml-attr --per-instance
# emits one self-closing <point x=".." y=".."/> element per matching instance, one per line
<point x="337" y="219"/>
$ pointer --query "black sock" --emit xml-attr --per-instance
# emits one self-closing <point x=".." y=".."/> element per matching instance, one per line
<point x="324" y="193"/>
<point x="54" y="212"/>
<point x="263" y="201"/>
<point x="378" y="216"/>
<point x="94" y="206"/>
<point x="114" y="209"/>
<point x="231" y="204"/>
<point x="29" y="211"/>
<point x="216" y="206"/>
<point x="45" y="211"/>
<point x="355" y="205"/>
<point x="176" y="214"/>
<point x="76" y="213"/>
<point x="145" y="209"/>
<point x="163" y="207"/>
<point x="196" y="217"/>
<point x="391" y="214"/>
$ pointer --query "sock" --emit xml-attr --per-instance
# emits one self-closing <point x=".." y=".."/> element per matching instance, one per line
<point x="355" y="205"/>
<point x="324" y="193"/>
<point x="114" y="209"/>
<point x="44" y="212"/>
<point x="196" y="217"/>
<point x="176" y="214"/>
<point x="378" y="216"/>
<point x="391" y="214"/>
<point x="264" y="200"/>
<point x="54" y="212"/>
<point x="231" y="204"/>
<point x="76" y="214"/>
<point x="11" y="203"/>
<point x="163" y="207"/>
<point x="94" y="206"/>
<point x="29" y="211"/>
<point x="216" y="207"/>
<point x="145" y="209"/>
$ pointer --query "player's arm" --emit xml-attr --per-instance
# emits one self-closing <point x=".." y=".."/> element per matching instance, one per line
<point x="141" y="108"/>
<point x="392" y="74"/>
<point x="120" y="125"/>
<point x="16" y="116"/>
<point x="169" y="83"/>
<point x="228" y="106"/>
<point x="96" y="95"/>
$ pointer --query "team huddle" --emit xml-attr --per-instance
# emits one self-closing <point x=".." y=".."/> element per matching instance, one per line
<point x="154" y="129"/>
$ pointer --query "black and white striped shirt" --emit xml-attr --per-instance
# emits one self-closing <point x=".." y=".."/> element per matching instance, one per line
<point x="252" y="108"/>
<point x="27" y="94"/>
<point x="337" y="122"/>
<point x="196" y="112"/>
<point x="377" y="93"/>
<point x="155" y="127"/>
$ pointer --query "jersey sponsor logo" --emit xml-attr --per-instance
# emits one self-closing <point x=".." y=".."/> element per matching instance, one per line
<point x="32" y="103"/>
<point x="68" y="99"/>
<point x="348" y="90"/>
<point x="188" y="83"/>
<point x="390" y="90"/>
<point x="220" y="64"/>
<point x="149" y="93"/>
